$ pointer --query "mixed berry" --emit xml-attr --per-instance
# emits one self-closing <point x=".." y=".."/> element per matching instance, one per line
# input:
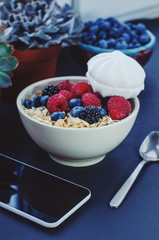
<point x="80" y="101"/>
<point x="90" y="114"/>
<point x="109" y="33"/>
<point x="50" y="90"/>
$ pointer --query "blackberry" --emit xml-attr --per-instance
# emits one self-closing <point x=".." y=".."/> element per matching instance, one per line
<point x="50" y="90"/>
<point x="90" y="114"/>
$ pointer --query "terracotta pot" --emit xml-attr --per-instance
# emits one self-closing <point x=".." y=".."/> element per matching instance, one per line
<point x="34" y="65"/>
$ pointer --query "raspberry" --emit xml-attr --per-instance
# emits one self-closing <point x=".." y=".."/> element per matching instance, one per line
<point x="66" y="94"/>
<point x="57" y="103"/>
<point x="118" y="107"/>
<point x="79" y="88"/>
<point x="65" y="85"/>
<point x="89" y="99"/>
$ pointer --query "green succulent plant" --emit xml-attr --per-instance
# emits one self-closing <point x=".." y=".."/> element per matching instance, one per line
<point x="7" y="61"/>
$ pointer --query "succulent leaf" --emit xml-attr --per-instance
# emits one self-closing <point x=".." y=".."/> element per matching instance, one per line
<point x="4" y="63"/>
<point x="5" y="50"/>
<point x="8" y="73"/>
<point x="49" y="29"/>
<point x="5" y="80"/>
<point x="2" y="41"/>
<point x="13" y="63"/>
<point x="2" y="27"/>
<point x="7" y="32"/>
<point x="39" y="35"/>
<point x="25" y="39"/>
<point x="7" y="62"/>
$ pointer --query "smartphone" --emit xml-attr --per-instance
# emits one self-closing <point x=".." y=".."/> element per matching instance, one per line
<point x="37" y="195"/>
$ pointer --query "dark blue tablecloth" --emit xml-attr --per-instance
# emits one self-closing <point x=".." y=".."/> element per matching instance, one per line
<point x="138" y="217"/>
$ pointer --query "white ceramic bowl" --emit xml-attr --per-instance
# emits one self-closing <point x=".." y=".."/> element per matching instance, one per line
<point x="74" y="146"/>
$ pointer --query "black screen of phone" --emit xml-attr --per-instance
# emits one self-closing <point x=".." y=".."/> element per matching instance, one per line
<point x="41" y="195"/>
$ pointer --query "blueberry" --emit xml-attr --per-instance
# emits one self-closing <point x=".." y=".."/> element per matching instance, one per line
<point x="131" y="45"/>
<point x="89" y="23"/>
<point x="102" y="44"/>
<point x="114" y="32"/>
<point x="102" y="34"/>
<point x="27" y="103"/>
<point x="134" y="34"/>
<point x="105" y="102"/>
<point x="75" y="102"/>
<point x="76" y="111"/>
<point x="111" y="42"/>
<point x="94" y="28"/>
<point x="117" y="25"/>
<point x="36" y="101"/>
<point x="105" y="107"/>
<point x="44" y="100"/>
<point x="57" y="115"/>
<point x="137" y="45"/>
<point x="134" y="41"/>
<point x="141" y="28"/>
<point x="144" y="38"/>
<point x="126" y="37"/>
<point x="121" y="44"/>
<point x="132" y="25"/>
<point x="85" y="37"/>
<point x="111" y="20"/>
<point x="99" y="20"/>
<point x="126" y="28"/>
<point x="102" y="112"/>
<point x="89" y="37"/>
<point x="105" y="25"/>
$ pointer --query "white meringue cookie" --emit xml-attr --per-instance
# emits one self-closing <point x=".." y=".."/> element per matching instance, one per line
<point x="115" y="73"/>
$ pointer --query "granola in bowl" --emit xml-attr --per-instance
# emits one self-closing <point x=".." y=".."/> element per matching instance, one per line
<point x="41" y="114"/>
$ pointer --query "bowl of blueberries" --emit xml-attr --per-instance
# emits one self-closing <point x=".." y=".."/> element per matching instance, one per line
<point x="107" y="35"/>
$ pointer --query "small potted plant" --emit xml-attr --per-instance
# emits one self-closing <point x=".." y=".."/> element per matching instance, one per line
<point x="7" y="61"/>
<point x="39" y="28"/>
